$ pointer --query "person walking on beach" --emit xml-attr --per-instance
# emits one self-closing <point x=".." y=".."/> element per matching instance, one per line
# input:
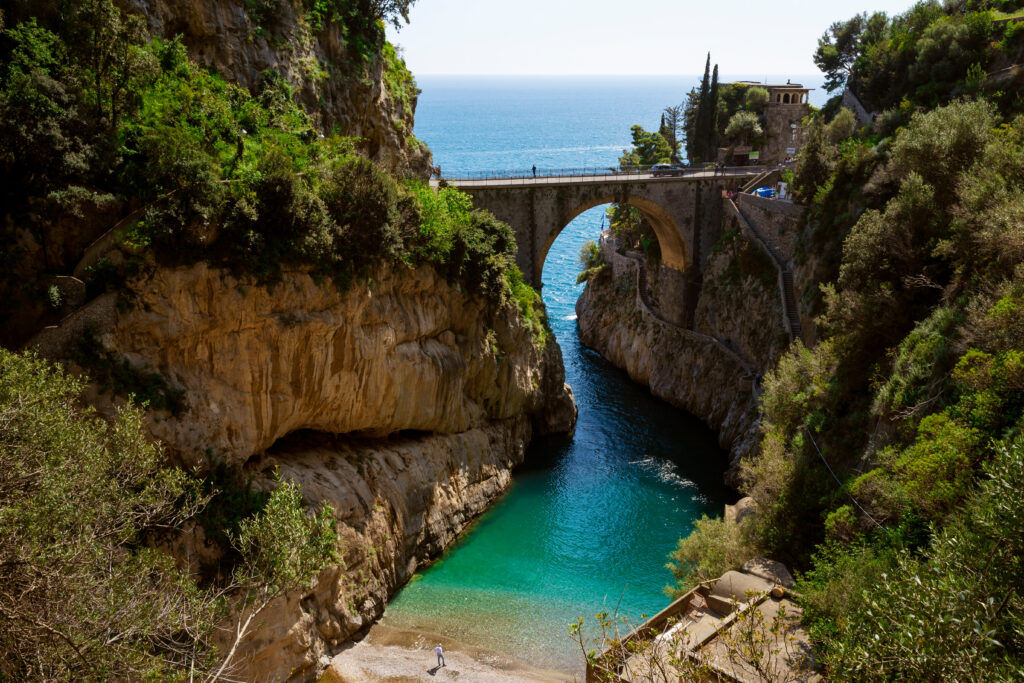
<point x="440" y="655"/>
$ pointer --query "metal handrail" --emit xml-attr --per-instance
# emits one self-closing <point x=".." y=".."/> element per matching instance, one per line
<point x="598" y="171"/>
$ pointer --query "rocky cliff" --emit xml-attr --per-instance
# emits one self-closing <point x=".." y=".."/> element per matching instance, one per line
<point x="402" y="402"/>
<point x="712" y="370"/>
<point x="340" y="79"/>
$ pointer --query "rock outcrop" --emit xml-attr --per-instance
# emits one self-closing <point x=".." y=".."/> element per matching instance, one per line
<point x="402" y="402"/>
<point x="336" y="84"/>
<point x="405" y="351"/>
<point x="398" y="503"/>
<point x="711" y="371"/>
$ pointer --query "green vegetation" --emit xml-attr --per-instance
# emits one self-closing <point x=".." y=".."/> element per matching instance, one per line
<point x="702" y="115"/>
<point x="743" y="126"/>
<point x="648" y="149"/>
<point x="359" y="22"/>
<point x="954" y="611"/>
<point x="926" y="56"/>
<point x="756" y="99"/>
<point x="889" y="468"/>
<point x="84" y="593"/>
<point x="399" y="81"/>
<point x="636" y="233"/>
<point x="746" y="260"/>
<point x="715" y="546"/>
<point x="208" y="171"/>
<point x="591" y="261"/>
<point x="718" y="115"/>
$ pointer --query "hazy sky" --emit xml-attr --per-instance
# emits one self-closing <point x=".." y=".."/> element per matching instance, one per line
<point x="620" y="36"/>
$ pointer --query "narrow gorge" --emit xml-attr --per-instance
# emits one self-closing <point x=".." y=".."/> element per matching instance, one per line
<point x="310" y="374"/>
<point x="709" y="354"/>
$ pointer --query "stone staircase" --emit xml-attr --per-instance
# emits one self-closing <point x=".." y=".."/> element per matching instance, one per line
<point x="769" y="177"/>
<point x="755" y="182"/>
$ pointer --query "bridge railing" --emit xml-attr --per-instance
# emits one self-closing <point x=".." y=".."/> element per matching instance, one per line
<point x="598" y="171"/>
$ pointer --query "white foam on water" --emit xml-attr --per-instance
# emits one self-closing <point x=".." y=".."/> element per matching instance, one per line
<point x="665" y="470"/>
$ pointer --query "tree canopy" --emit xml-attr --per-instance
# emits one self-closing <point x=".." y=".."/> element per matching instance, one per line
<point x="743" y="127"/>
<point x="648" y="149"/>
<point x="757" y="98"/>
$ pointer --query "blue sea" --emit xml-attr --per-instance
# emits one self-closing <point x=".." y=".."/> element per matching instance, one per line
<point x="589" y="522"/>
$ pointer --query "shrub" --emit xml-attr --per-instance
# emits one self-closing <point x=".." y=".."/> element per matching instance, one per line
<point x="958" y="613"/>
<point x="813" y="166"/>
<point x="399" y="81"/>
<point x="838" y="584"/>
<point x="843" y="126"/>
<point x="756" y="98"/>
<point x="531" y="306"/>
<point x="938" y="468"/>
<point x="591" y="261"/>
<point x="83" y="594"/>
<point x="77" y="500"/>
<point x="941" y="144"/>
<point x="713" y="547"/>
<point x="922" y="363"/>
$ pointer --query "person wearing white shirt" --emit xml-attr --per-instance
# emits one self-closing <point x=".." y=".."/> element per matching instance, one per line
<point x="440" y="655"/>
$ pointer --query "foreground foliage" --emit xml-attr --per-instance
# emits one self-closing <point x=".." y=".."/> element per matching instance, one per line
<point x="84" y="504"/>
<point x="956" y="612"/>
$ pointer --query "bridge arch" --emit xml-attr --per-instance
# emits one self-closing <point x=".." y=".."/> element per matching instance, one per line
<point x="538" y="209"/>
<point x="674" y="251"/>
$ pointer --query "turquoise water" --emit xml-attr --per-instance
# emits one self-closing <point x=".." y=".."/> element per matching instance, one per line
<point x="589" y="521"/>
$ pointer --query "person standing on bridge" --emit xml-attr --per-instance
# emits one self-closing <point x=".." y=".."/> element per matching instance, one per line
<point x="535" y="170"/>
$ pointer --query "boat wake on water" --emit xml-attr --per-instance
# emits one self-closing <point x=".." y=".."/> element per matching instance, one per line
<point x="667" y="472"/>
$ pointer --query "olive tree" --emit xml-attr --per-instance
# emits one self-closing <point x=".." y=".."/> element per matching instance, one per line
<point x="743" y="127"/>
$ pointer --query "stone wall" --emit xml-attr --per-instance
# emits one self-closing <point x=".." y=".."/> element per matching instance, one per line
<point x="778" y="134"/>
<point x="740" y="303"/>
<point x="853" y="103"/>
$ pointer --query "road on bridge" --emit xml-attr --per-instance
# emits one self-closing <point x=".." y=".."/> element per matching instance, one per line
<point x="595" y="178"/>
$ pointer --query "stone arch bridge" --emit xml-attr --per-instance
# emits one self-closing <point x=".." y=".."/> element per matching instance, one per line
<point x="683" y="209"/>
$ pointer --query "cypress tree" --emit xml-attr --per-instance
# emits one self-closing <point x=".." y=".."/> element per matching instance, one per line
<point x="703" y="110"/>
<point x="712" y="139"/>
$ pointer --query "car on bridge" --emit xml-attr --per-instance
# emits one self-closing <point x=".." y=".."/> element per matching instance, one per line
<point x="667" y="170"/>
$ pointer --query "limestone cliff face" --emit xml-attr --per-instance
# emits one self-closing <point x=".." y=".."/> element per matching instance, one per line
<point x="398" y="503"/>
<point x="405" y="351"/>
<point x="332" y="82"/>
<point x="711" y="371"/>
<point x="402" y="402"/>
